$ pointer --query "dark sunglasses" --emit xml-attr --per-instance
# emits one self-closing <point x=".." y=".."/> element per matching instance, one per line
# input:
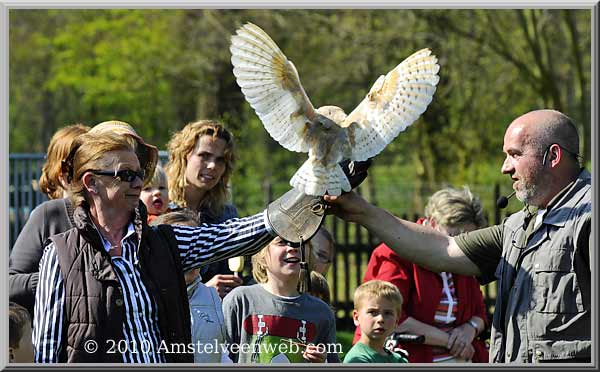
<point x="126" y="175"/>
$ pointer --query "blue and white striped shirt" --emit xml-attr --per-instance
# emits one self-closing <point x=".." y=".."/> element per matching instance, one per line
<point x="197" y="246"/>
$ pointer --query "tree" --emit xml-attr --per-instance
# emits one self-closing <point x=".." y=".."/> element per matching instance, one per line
<point x="160" y="69"/>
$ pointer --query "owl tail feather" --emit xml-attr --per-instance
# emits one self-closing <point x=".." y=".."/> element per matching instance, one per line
<point x="315" y="179"/>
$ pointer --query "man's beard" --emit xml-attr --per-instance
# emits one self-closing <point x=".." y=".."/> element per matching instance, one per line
<point x="530" y="192"/>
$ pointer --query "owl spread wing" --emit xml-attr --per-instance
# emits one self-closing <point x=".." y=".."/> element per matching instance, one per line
<point x="272" y="86"/>
<point x="394" y="102"/>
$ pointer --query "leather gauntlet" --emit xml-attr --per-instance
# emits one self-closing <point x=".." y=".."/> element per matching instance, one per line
<point x="296" y="216"/>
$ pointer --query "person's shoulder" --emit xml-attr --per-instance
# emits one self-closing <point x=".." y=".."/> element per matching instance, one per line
<point x="54" y="203"/>
<point x="316" y="302"/>
<point x="397" y="357"/>
<point x="229" y="211"/>
<point x="382" y="251"/>
<point x="384" y="254"/>
<point x="322" y="309"/>
<point x="204" y="294"/>
<point x="52" y="206"/>
<point x="244" y="296"/>
<point x="243" y="291"/>
<point x="247" y="288"/>
<point x="357" y="354"/>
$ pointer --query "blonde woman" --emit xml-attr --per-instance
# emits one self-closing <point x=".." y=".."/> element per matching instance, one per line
<point x="201" y="161"/>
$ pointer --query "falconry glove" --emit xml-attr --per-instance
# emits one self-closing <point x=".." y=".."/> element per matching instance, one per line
<point x="296" y="217"/>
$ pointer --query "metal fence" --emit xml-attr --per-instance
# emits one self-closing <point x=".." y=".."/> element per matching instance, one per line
<point x="354" y="243"/>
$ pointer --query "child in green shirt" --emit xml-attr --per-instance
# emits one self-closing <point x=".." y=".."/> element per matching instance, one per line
<point x="377" y="307"/>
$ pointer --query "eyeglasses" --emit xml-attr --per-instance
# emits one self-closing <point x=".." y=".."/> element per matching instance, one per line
<point x="126" y="175"/>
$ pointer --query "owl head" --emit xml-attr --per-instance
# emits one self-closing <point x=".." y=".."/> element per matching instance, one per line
<point x="333" y="113"/>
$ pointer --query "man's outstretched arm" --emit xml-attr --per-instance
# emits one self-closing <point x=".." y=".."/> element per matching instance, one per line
<point x="421" y="245"/>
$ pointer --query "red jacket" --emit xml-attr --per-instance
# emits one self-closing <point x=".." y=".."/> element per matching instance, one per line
<point x="422" y="290"/>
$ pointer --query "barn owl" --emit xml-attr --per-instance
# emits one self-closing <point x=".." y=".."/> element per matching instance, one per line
<point x="270" y="83"/>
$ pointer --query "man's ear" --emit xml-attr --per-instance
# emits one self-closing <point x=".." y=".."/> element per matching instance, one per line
<point x="555" y="154"/>
<point x="89" y="182"/>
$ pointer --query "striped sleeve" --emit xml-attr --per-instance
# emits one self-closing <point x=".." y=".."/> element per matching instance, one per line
<point x="209" y="243"/>
<point x="49" y="309"/>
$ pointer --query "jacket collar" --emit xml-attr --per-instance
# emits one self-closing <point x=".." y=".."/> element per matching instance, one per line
<point x="83" y="222"/>
<point x="559" y="200"/>
<point x="558" y="211"/>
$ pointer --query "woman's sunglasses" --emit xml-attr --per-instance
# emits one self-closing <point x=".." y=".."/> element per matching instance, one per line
<point x="126" y="175"/>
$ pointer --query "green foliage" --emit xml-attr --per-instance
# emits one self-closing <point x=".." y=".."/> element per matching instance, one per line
<point x="160" y="69"/>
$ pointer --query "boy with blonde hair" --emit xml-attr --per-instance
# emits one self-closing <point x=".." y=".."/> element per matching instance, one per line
<point x="272" y="322"/>
<point x="377" y="307"/>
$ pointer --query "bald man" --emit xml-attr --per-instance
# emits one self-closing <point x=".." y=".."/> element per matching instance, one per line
<point x="540" y="256"/>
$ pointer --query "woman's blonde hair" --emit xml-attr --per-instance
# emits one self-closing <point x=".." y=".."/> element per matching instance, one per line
<point x="182" y="143"/>
<point x="88" y="154"/>
<point x="451" y="207"/>
<point x="378" y="289"/>
<point x="146" y="153"/>
<point x="58" y="150"/>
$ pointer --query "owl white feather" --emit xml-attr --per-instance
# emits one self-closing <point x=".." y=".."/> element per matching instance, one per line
<point x="271" y="85"/>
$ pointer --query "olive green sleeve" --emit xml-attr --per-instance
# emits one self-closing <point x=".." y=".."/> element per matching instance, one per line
<point x="484" y="248"/>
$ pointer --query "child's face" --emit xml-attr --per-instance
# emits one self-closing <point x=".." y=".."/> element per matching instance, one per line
<point x="321" y="250"/>
<point x="24" y="352"/>
<point x="282" y="260"/>
<point x="156" y="198"/>
<point x="376" y="318"/>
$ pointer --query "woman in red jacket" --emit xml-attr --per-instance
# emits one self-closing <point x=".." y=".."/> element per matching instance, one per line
<point x="446" y="308"/>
